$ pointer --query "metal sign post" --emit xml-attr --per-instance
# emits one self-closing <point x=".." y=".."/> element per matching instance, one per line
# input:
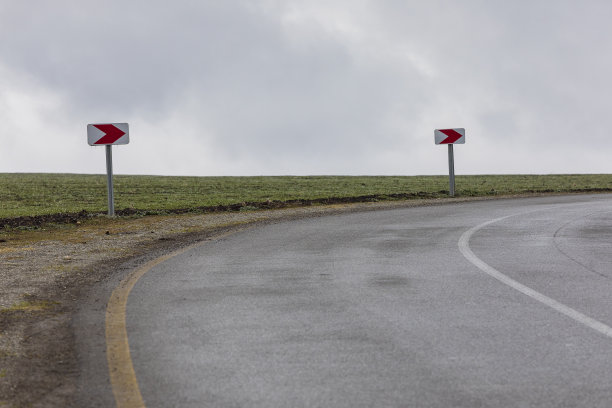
<point x="109" y="180"/>
<point x="450" y="137"/>
<point x="451" y="170"/>
<point x="108" y="134"/>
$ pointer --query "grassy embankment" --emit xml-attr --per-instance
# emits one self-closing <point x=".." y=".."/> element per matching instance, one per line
<point x="40" y="194"/>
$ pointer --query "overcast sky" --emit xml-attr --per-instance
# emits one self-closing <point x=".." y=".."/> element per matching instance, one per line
<point x="275" y="87"/>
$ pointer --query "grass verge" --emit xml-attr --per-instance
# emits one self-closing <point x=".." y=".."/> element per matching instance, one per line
<point x="35" y="199"/>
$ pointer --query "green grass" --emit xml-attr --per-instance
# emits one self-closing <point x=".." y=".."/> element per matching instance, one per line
<point x="38" y="194"/>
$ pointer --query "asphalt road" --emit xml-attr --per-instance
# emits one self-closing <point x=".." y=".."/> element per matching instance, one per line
<point x="481" y="304"/>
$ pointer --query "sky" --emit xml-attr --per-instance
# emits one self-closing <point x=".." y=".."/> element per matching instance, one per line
<point x="306" y="87"/>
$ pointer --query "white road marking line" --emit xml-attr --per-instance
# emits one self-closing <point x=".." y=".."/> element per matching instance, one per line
<point x="464" y="247"/>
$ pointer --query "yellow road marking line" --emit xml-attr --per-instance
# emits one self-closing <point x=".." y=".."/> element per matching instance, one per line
<point x="121" y="370"/>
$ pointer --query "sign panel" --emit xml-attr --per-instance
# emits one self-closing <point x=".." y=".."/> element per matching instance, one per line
<point x="449" y="136"/>
<point x="108" y="134"/>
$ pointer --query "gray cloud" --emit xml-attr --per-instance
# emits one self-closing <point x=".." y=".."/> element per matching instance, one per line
<point x="277" y="87"/>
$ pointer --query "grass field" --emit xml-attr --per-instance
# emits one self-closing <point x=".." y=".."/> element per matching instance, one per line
<point x="39" y="194"/>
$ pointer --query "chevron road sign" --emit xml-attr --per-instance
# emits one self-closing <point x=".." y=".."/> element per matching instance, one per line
<point x="449" y="136"/>
<point x="108" y="134"/>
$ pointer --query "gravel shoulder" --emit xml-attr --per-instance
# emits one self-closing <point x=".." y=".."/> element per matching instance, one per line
<point x="45" y="273"/>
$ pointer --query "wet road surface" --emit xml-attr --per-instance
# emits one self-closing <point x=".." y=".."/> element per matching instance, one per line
<point x="382" y="309"/>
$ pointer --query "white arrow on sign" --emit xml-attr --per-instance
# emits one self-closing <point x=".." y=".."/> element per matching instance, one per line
<point x="104" y="134"/>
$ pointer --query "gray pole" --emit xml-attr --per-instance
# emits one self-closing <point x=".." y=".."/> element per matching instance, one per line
<point x="109" y="180"/>
<point x="451" y="170"/>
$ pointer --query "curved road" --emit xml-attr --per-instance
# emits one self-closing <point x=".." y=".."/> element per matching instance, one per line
<point x="480" y="304"/>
